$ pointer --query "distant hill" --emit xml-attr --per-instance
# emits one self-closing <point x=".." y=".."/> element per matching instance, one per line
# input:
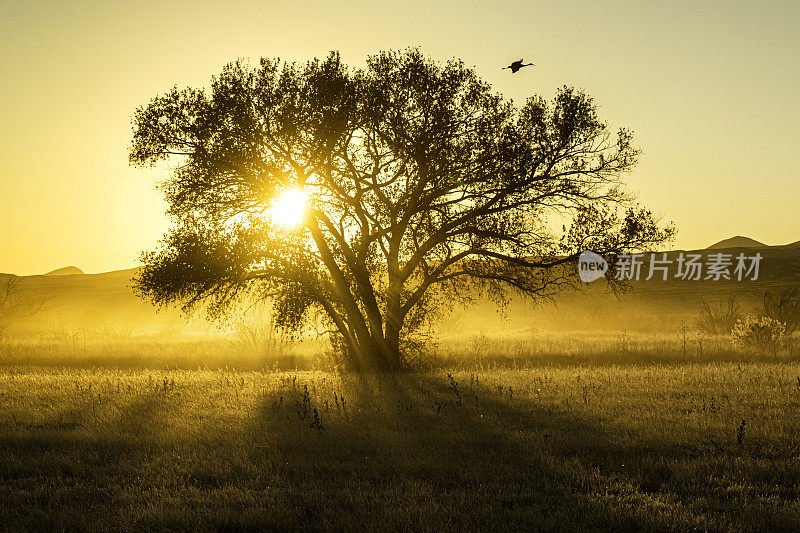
<point x="737" y="242"/>
<point x="92" y="302"/>
<point x="66" y="271"/>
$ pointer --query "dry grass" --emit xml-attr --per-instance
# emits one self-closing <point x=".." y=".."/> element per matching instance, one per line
<point x="625" y="447"/>
<point x="521" y="349"/>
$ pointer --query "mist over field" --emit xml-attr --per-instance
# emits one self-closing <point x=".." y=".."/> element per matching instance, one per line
<point x="90" y="319"/>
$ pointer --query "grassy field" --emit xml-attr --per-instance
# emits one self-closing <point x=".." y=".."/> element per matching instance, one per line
<point x="689" y="446"/>
<point x="589" y="413"/>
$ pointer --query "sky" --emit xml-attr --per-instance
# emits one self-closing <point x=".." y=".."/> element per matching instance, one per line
<point x="710" y="89"/>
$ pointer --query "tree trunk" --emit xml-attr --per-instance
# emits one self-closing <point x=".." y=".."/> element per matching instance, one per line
<point x="365" y="354"/>
<point x="393" y="343"/>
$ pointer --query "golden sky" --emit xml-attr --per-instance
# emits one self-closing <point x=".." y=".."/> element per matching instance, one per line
<point x="710" y="89"/>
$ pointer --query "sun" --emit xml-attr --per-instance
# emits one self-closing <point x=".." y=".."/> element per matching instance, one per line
<point x="288" y="209"/>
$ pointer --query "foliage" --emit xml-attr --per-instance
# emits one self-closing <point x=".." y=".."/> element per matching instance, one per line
<point x="764" y="333"/>
<point x="424" y="187"/>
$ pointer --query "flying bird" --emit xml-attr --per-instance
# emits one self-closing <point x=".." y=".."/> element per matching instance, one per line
<point x="516" y="65"/>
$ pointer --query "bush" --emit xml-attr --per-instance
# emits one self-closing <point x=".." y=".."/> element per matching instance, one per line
<point x="259" y="336"/>
<point x="719" y="319"/>
<point x="764" y="333"/>
<point x="784" y="307"/>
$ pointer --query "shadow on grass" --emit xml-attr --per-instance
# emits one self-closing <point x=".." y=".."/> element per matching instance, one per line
<point x="408" y="451"/>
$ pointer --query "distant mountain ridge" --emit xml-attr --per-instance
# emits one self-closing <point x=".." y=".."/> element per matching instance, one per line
<point x="65" y="271"/>
<point x="746" y="242"/>
<point x="737" y="242"/>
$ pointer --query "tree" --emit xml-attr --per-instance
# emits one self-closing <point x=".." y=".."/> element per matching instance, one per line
<point x="10" y="302"/>
<point x="15" y="304"/>
<point x="422" y="187"/>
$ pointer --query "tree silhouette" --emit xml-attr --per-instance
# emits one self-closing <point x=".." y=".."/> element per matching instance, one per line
<point x="17" y="304"/>
<point x="424" y="188"/>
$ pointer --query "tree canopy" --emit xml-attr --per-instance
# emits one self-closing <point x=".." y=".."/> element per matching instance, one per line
<point x="421" y="185"/>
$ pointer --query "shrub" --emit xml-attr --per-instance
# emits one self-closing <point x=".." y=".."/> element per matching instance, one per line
<point x="764" y="333"/>
<point x="784" y="306"/>
<point x="258" y="335"/>
<point x="719" y="319"/>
